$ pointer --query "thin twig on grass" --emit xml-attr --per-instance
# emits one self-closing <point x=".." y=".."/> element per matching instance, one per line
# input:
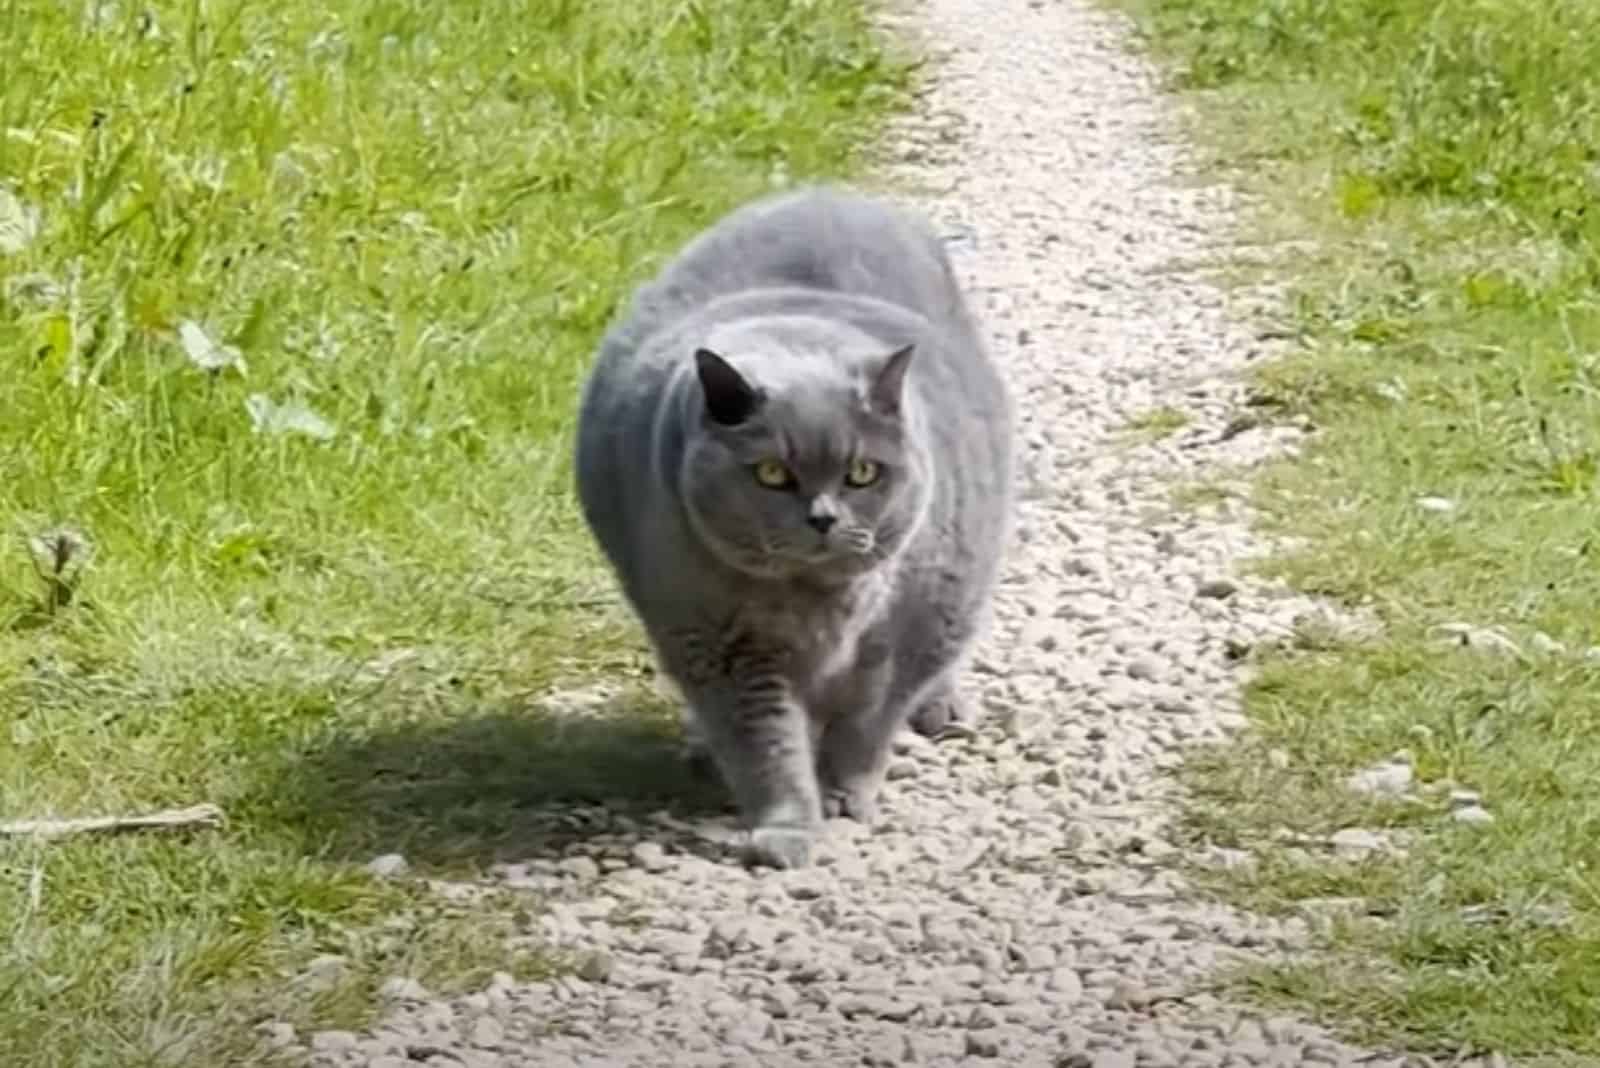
<point x="206" y="815"/>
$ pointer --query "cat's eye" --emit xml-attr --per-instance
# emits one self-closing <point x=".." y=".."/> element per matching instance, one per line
<point x="773" y="474"/>
<point x="862" y="473"/>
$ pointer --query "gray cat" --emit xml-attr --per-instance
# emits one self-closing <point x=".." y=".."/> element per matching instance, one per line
<point x="796" y="454"/>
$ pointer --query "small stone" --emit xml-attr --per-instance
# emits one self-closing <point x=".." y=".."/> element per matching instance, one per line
<point x="726" y="937"/>
<point x="1437" y="505"/>
<point x="1156" y="848"/>
<point x="965" y="975"/>
<point x="986" y="957"/>
<point x="998" y="994"/>
<point x="1145" y="668"/>
<point x="1543" y="643"/>
<point x="983" y="1016"/>
<point x="325" y="971"/>
<point x="723" y="1008"/>
<point x="1465" y="798"/>
<point x="982" y="1045"/>
<point x="276" y="1034"/>
<point x="1079" y="837"/>
<point x="651" y="856"/>
<point x="1357" y="841"/>
<point x="672" y="944"/>
<point x="1324" y="910"/>
<point x="580" y="867"/>
<point x="388" y="866"/>
<point x="1114" y="1058"/>
<point x="487" y="1032"/>
<point x="781" y="1001"/>
<point x="1126" y="995"/>
<point x="1278" y="759"/>
<point x="437" y="1014"/>
<point x="595" y="967"/>
<point x="1229" y="859"/>
<point x="1473" y="815"/>
<point x="806" y="884"/>
<point x="1066" y="985"/>
<point x="1479" y="639"/>
<point x="1033" y="958"/>
<point x="400" y="988"/>
<point x="748" y="1029"/>
<point x="1381" y="780"/>
<point x="1217" y="588"/>
<point x="333" y="1041"/>
<point x="875" y="1006"/>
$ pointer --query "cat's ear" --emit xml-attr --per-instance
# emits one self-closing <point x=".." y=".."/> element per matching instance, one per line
<point x="730" y="399"/>
<point x="889" y="385"/>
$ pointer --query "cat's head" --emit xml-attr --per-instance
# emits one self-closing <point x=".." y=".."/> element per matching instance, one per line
<point x="806" y="468"/>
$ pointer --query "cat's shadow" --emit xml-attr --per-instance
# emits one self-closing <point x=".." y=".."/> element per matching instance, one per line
<point x="511" y="784"/>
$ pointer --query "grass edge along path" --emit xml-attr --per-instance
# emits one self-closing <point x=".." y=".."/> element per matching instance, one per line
<point x="294" y="304"/>
<point x="1427" y="173"/>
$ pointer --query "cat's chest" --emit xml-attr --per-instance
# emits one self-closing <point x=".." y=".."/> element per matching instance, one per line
<point x="820" y="631"/>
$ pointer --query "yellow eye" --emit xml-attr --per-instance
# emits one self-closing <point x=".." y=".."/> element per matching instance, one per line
<point x="862" y="473"/>
<point x="773" y="475"/>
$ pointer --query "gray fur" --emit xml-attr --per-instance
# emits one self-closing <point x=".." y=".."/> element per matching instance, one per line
<point x="804" y="624"/>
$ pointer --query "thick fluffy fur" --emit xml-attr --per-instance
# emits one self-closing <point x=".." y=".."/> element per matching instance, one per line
<point x="796" y="454"/>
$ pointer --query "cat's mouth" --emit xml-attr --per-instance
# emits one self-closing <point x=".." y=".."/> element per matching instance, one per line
<point x="830" y="548"/>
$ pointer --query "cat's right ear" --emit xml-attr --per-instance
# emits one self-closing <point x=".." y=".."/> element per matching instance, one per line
<point x="730" y="399"/>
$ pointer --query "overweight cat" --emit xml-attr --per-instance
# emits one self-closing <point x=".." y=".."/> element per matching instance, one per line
<point x="796" y="454"/>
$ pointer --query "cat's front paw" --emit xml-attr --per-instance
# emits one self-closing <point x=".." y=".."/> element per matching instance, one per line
<point x="859" y="804"/>
<point x="780" y="847"/>
<point x="943" y="715"/>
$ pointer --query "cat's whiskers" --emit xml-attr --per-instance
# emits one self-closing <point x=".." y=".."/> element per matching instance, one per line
<point x="861" y="540"/>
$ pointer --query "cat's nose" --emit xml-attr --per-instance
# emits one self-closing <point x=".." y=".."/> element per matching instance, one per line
<point x="822" y="523"/>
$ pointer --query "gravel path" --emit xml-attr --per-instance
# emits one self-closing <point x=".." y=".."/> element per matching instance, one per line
<point x="1016" y="902"/>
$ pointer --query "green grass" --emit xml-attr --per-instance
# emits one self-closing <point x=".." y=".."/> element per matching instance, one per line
<point x="294" y="305"/>
<point x="1445" y="160"/>
<point x="1156" y="423"/>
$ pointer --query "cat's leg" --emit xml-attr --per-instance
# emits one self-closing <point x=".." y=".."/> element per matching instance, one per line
<point x="892" y="687"/>
<point x="758" y="737"/>
<point x="863" y="716"/>
<point x="747" y="723"/>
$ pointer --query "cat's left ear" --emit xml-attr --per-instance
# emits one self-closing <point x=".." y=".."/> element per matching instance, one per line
<point x="889" y="386"/>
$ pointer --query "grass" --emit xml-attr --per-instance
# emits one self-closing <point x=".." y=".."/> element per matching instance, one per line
<point x="1442" y="161"/>
<point x="1156" y="423"/>
<point x="294" y="302"/>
